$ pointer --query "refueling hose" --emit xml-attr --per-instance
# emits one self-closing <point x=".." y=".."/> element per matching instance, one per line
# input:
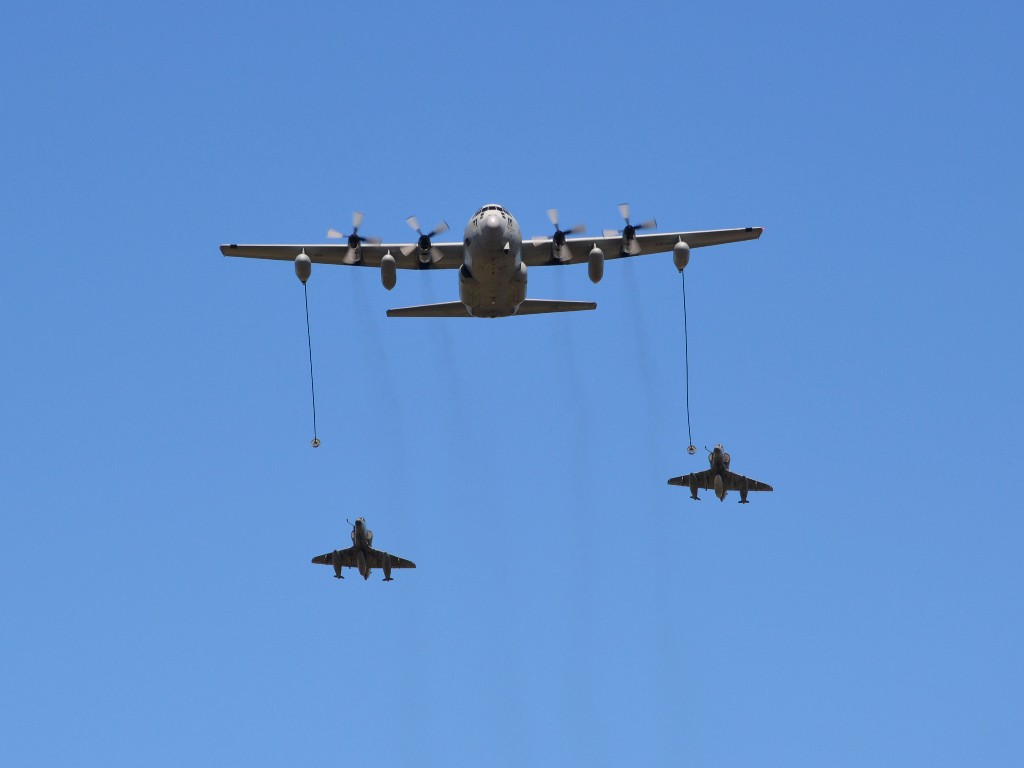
<point x="315" y="442"/>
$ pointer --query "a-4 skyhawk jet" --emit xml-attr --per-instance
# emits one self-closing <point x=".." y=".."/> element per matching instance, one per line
<point x="362" y="555"/>
<point x="719" y="478"/>
<point x="492" y="258"/>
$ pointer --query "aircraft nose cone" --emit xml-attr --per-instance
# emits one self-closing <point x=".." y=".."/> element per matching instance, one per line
<point x="491" y="228"/>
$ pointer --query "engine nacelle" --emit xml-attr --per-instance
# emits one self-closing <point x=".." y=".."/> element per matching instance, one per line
<point x="336" y="562"/>
<point x="595" y="265"/>
<point x="303" y="267"/>
<point x="369" y="537"/>
<point x="388" y="271"/>
<point x="681" y="255"/>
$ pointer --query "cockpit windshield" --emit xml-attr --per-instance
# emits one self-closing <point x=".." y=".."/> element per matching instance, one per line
<point x="491" y="208"/>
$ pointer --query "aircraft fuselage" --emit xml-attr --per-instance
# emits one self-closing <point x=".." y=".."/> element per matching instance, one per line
<point x="492" y="280"/>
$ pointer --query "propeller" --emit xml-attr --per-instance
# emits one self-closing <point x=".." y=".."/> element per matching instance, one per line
<point x="629" y="243"/>
<point x="423" y="244"/>
<point x="558" y="248"/>
<point x="355" y="240"/>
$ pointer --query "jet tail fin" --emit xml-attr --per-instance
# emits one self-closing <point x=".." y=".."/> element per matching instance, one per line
<point x="541" y="306"/>
<point x="447" y="309"/>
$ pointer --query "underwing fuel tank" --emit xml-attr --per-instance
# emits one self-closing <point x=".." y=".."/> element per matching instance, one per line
<point x="595" y="264"/>
<point x="336" y="562"/>
<point x="388" y="274"/>
<point x="719" y="488"/>
<point x="361" y="562"/>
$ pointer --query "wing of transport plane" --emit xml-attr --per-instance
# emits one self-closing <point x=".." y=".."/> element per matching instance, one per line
<point x="371" y="255"/>
<point x="537" y="254"/>
<point x="731" y="480"/>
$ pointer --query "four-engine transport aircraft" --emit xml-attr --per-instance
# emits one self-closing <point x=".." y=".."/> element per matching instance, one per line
<point x="362" y="555"/>
<point x="492" y="258"/>
<point x="719" y="478"/>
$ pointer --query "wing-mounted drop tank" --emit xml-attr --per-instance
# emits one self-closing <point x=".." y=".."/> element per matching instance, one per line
<point x="336" y="562"/>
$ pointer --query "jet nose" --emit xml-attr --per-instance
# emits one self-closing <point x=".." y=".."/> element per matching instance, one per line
<point x="492" y="229"/>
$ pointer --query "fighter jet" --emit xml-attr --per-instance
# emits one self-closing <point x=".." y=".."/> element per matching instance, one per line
<point x="719" y="478"/>
<point x="362" y="555"/>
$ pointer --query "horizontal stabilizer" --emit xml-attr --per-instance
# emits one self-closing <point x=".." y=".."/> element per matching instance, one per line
<point x="447" y="309"/>
<point x="540" y="306"/>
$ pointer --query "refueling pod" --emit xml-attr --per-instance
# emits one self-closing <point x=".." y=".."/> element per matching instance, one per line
<point x="595" y="264"/>
<point x="681" y="255"/>
<point x="303" y="267"/>
<point x="388" y="273"/>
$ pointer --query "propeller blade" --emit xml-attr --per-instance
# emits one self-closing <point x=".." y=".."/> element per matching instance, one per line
<point x="632" y="247"/>
<point x="553" y="216"/>
<point x="436" y="254"/>
<point x="371" y="240"/>
<point x="577" y="230"/>
<point x="649" y="224"/>
<point x="611" y="233"/>
<point x="624" y="210"/>
<point x="442" y="227"/>
<point x="408" y="249"/>
<point x="414" y="223"/>
<point x="541" y="240"/>
<point x="357" y="219"/>
<point x="334" y="234"/>
<point x="350" y="257"/>
<point x="563" y="254"/>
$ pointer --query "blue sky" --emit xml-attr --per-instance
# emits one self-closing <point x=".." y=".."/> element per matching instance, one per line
<point x="161" y="501"/>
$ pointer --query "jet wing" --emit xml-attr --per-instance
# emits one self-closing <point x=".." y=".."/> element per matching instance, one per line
<point x="375" y="559"/>
<point x="540" y="253"/>
<point x="731" y="480"/>
<point x="347" y="557"/>
<point x="734" y="482"/>
<point x="334" y="253"/>
<point x="705" y="480"/>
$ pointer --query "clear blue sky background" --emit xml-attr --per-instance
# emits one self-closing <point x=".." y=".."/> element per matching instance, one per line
<point x="161" y="503"/>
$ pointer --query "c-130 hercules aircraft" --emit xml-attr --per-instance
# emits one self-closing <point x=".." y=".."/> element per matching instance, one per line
<point x="493" y="258"/>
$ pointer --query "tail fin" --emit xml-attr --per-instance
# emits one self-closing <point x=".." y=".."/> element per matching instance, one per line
<point x="448" y="309"/>
<point x="458" y="309"/>
<point x="541" y="306"/>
